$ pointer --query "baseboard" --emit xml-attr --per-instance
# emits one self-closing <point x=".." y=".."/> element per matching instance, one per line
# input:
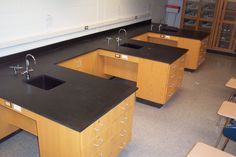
<point x="221" y="53"/>
<point x="149" y="103"/>
<point x="11" y="135"/>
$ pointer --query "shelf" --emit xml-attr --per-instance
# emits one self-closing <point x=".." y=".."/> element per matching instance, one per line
<point x="190" y="17"/>
<point x="206" y="20"/>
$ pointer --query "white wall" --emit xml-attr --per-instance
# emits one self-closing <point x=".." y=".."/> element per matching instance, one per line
<point x="158" y="10"/>
<point x="28" y="24"/>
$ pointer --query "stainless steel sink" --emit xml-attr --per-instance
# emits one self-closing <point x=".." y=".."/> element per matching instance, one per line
<point x="44" y="82"/>
<point x="133" y="46"/>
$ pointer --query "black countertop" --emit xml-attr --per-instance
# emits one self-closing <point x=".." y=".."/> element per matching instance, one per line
<point x="83" y="98"/>
<point x="191" y="34"/>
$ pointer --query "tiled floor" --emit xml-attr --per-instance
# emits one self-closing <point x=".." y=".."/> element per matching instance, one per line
<point x="171" y="131"/>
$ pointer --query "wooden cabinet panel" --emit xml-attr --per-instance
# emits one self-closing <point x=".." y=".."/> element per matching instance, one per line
<point x="5" y="128"/>
<point x="196" y="51"/>
<point x="107" y="140"/>
<point x="90" y="63"/>
<point x="152" y="80"/>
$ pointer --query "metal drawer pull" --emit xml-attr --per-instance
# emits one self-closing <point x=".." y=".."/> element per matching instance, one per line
<point x="100" y="126"/>
<point x="125" y="106"/>
<point x="100" y="142"/>
<point x="122" y="145"/>
<point x="123" y="133"/>
<point x="124" y="120"/>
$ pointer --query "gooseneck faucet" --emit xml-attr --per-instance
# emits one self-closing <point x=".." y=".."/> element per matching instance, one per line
<point x="118" y="40"/>
<point x="27" y="64"/>
<point x="159" y="27"/>
<point x="152" y="27"/>
<point x="122" y="30"/>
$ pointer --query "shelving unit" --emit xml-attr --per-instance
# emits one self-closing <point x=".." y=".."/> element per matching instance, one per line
<point x="199" y="15"/>
<point x="218" y="17"/>
<point x="225" y="33"/>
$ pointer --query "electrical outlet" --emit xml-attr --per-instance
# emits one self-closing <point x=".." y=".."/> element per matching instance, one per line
<point x="86" y="27"/>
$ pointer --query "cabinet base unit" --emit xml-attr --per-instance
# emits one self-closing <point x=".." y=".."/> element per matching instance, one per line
<point x="196" y="48"/>
<point x="107" y="136"/>
<point x="156" y="81"/>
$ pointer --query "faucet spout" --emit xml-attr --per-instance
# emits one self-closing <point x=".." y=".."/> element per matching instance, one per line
<point x="27" y="64"/>
<point x="122" y="30"/>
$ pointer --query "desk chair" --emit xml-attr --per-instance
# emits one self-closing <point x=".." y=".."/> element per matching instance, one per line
<point x="230" y="133"/>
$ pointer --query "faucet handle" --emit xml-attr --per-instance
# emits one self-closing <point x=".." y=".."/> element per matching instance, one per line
<point x="27" y="72"/>
<point x="108" y="40"/>
<point x="118" y="39"/>
<point x="16" y="68"/>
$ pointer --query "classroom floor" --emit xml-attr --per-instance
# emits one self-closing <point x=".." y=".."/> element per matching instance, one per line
<point x="190" y="116"/>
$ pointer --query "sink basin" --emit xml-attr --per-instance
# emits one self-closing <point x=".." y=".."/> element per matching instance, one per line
<point x="45" y="82"/>
<point x="133" y="46"/>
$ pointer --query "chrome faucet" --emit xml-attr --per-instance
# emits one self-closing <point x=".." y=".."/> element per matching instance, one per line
<point x="16" y="68"/>
<point x="122" y="29"/>
<point x="159" y="27"/>
<point x="108" y="40"/>
<point x="152" y="27"/>
<point x="27" y="64"/>
<point x="118" y="40"/>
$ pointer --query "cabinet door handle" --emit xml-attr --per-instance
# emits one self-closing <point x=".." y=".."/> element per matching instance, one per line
<point x="100" y="142"/>
<point x="100" y="126"/>
<point x="125" y="107"/>
<point x="122" y="145"/>
<point x="124" y="120"/>
<point x="123" y="133"/>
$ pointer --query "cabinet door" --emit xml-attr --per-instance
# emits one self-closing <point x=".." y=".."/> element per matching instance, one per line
<point x="152" y="80"/>
<point x="190" y="14"/>
<point x="225" y="38"/>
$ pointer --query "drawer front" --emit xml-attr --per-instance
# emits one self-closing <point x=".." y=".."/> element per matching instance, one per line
<point x="96" y="139"/>
<point x="175" y="77"/>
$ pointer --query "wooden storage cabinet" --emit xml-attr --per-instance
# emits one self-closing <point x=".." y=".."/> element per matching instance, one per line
<point x="156" y="81"/>
<point x="216" y="17"/>
<point x="196" y="51"/>
<point x="161" y="81"/>
<point x="105" y="137"/>
<point x="89" y="63"/>
<point x="114" y="126"/>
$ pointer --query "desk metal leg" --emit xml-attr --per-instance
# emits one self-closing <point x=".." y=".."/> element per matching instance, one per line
<point x="221" y="134"/>
<point x="225" y="144"/>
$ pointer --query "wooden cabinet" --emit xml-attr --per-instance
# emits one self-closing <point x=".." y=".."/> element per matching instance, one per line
<point x="225" y="27"/>
<point x="200" y="15"/>
<point x="111" y="133"/>
<point x="153" y="78"/>
<point x="107" y="136"/>
<point x="158" y="81"/>
<point x="196" y="48"/>
<point x="90" y="63"/>
<point x="214" y="16"/>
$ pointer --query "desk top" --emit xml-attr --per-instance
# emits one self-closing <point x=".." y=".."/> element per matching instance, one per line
<point x="203" y="150"/>
<point x="231" y="83"/>
<point x="228" y="109"/>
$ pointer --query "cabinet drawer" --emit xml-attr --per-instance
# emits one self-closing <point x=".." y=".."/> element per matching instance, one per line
<point x="124" y="107"/>
<point x="96" y="129"/>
